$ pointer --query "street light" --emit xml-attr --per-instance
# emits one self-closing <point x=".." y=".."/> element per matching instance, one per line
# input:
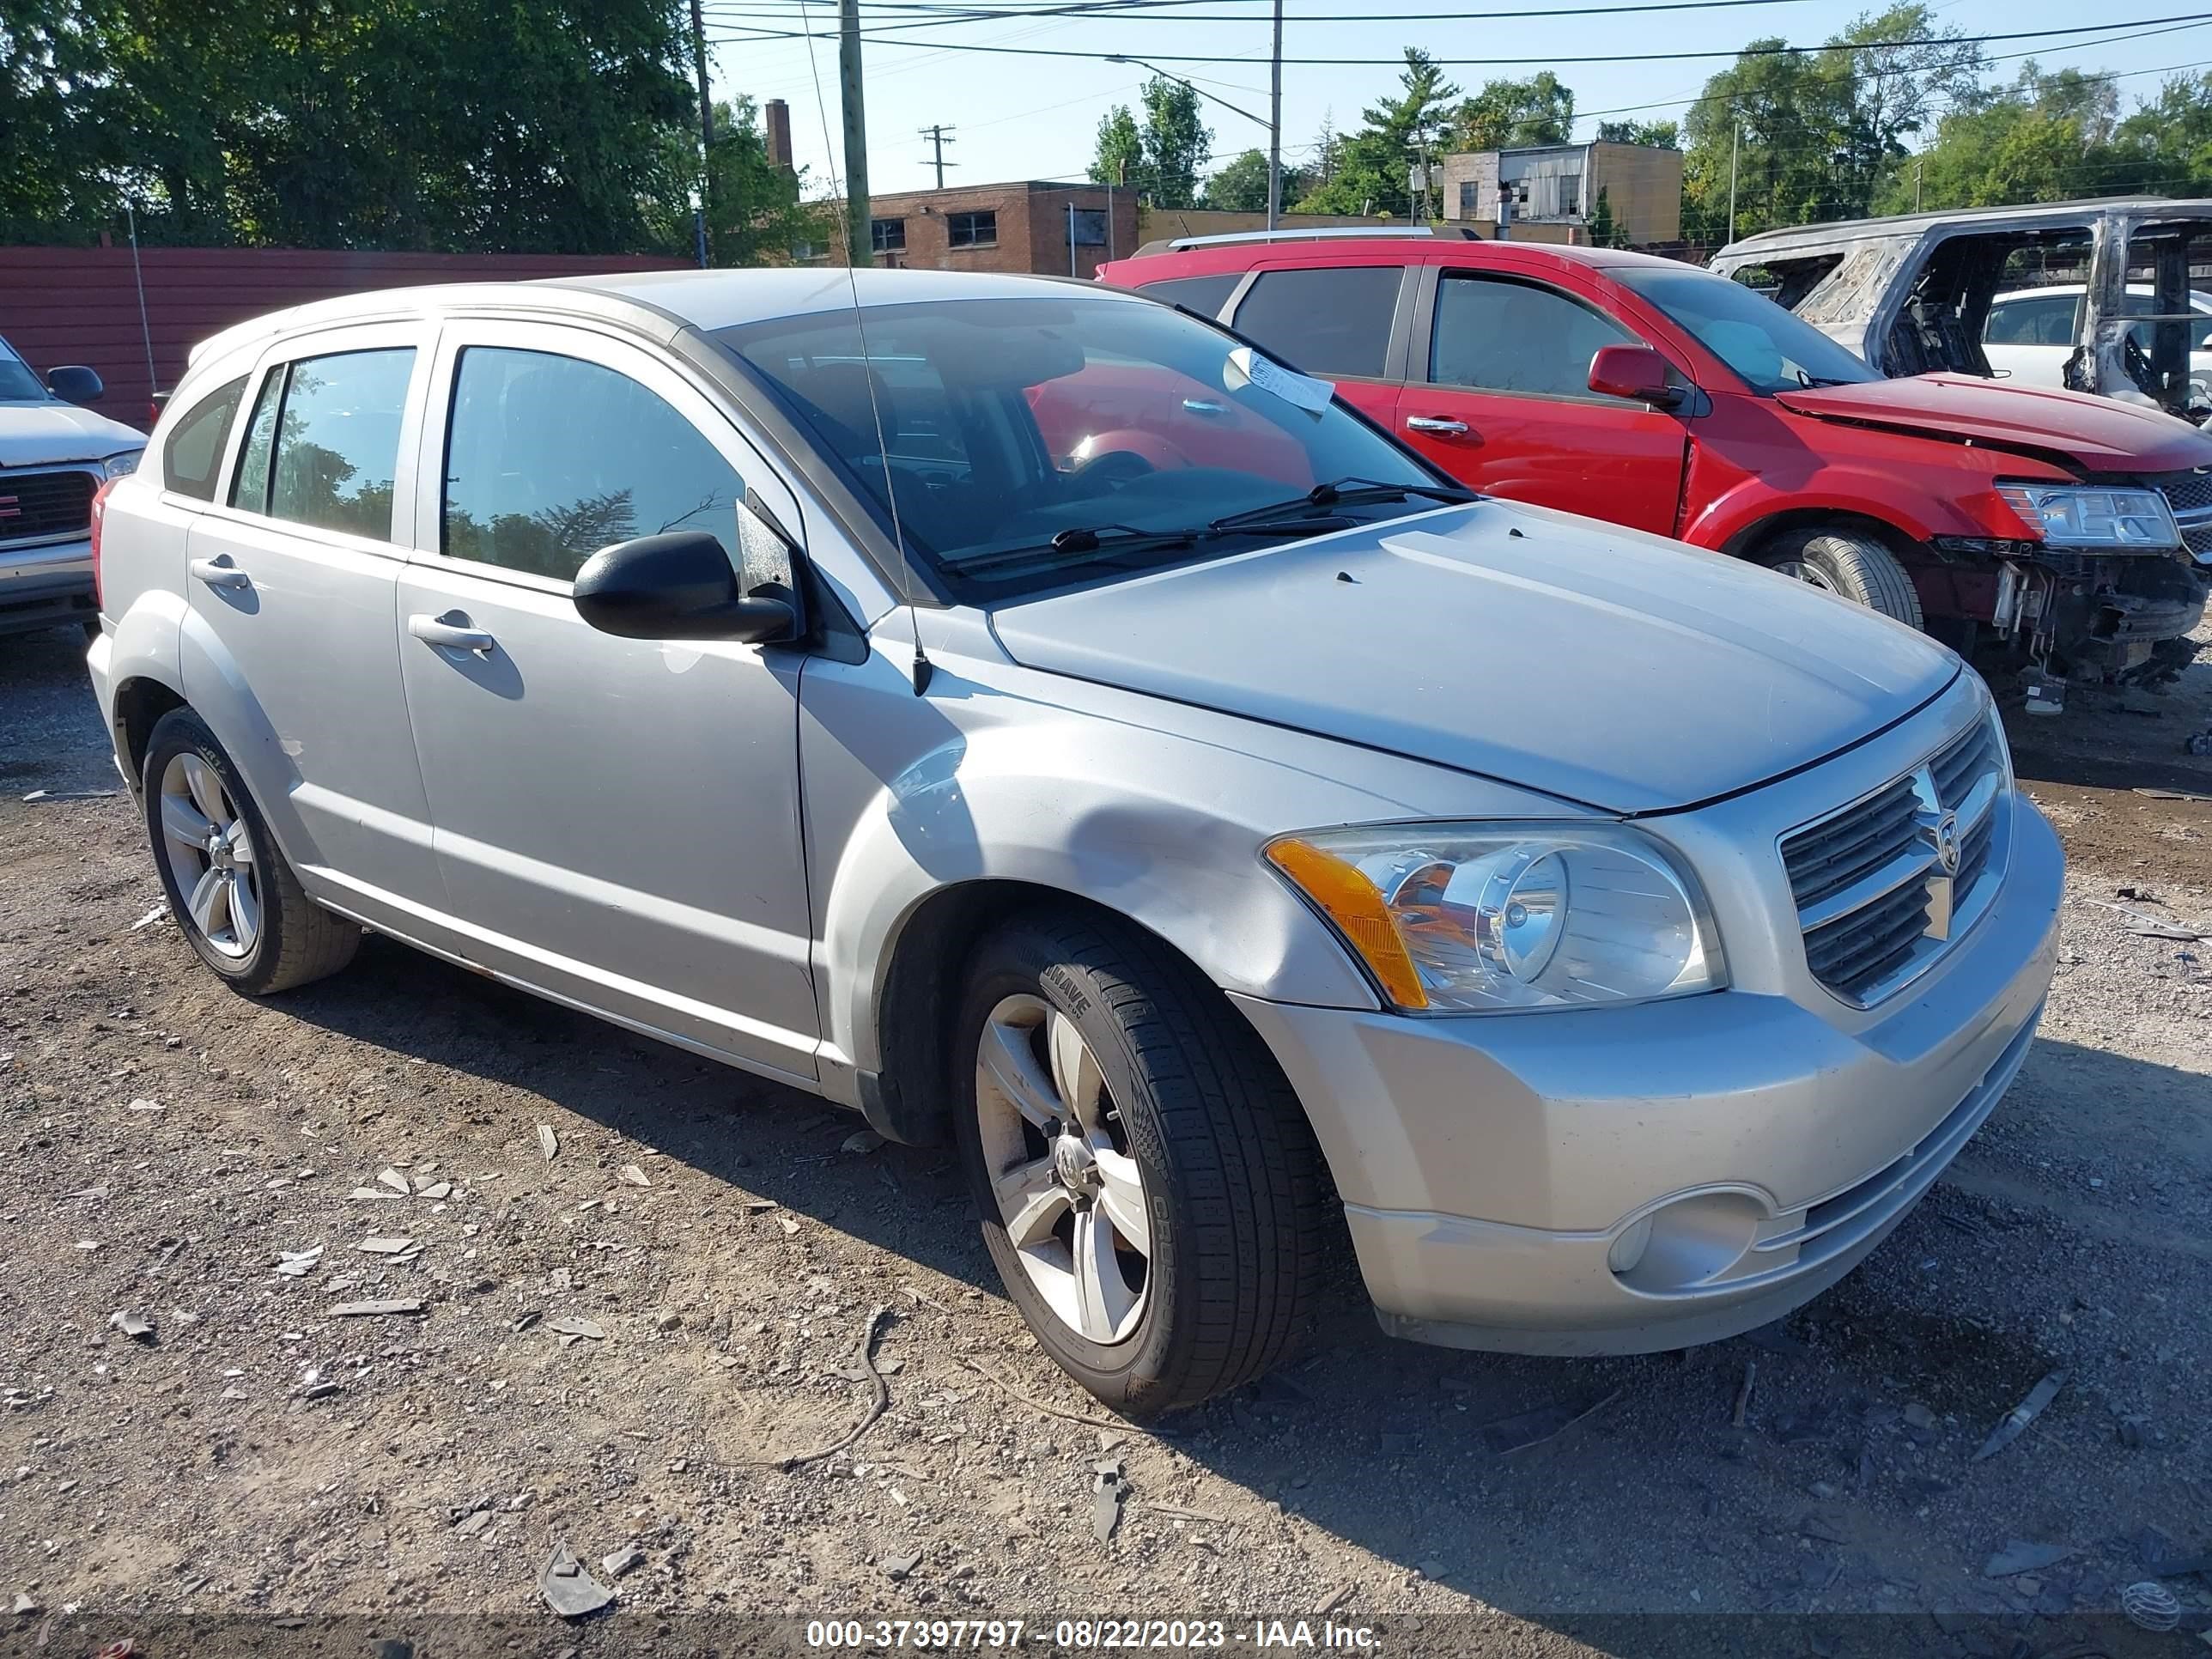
<point x="1274" y="127"/>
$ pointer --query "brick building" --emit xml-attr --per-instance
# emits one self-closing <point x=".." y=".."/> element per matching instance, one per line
<point x="1053" y="229"/>
<point x="1555" y="190"/>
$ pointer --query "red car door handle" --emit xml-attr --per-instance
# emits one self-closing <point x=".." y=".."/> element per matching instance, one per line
<point x="1442" y="426"/>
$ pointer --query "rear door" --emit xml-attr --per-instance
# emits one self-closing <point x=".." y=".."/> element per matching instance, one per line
<point x="294" y="573"/>
<point x="1345" y="323"/>
<point x="617" y="820"/>
<point x="1500" y="398"/>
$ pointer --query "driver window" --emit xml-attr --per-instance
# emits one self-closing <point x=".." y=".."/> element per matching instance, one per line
<point x="549" y="459"/>
<point x="1501" y="336"/>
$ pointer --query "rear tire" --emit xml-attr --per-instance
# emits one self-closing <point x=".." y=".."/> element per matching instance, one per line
<point x="233" y="895"/>
<point x="1205" y="1187"/>
<point x="1851" y="564"/>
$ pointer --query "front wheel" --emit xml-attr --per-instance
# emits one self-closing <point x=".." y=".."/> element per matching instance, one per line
<point x="234" y="897"/>
<point x="1852" y="564"/>
<point x="1150" y="1190"/>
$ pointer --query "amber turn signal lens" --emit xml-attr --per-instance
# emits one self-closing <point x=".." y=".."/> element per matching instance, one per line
<point x="1343" y="893"/>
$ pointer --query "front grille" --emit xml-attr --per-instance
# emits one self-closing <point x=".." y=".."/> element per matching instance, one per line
<point x="42" y="504"/>
<point x="2190" y="495"/>
<point x="1874" y="899"/>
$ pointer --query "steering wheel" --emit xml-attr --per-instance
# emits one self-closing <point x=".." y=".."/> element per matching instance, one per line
<point x="1113" y="467"/>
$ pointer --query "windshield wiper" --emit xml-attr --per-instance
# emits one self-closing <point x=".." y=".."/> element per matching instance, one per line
<point x="1077" y="542"/>
<point x="1343" y="492"/>
<point x="1814" y="382"/>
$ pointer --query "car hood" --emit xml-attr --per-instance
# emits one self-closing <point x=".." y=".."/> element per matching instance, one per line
<point x="38" y="434"/>
<point x="1600" y="665"/>
<point x="2100" y="435"/>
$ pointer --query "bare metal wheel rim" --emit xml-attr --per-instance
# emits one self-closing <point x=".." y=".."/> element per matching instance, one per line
<point x="1070" y="1193"/>
<point x="1805" y="574"/>
<point x="210" y="855"/>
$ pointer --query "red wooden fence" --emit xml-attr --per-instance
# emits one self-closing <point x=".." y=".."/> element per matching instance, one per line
<point x="80" y="304"/>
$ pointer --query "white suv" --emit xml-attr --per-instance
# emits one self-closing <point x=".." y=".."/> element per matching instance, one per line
<point x="1034" y="719"/>
<point x="53" y="457"/>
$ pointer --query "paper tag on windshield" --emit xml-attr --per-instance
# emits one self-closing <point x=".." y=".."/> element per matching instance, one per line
<point x="1292" y="387"/>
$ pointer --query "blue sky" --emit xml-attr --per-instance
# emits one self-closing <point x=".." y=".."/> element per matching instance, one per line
<point x="1037" y="117"/>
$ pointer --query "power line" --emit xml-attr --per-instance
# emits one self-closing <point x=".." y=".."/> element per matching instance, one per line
<point x="1604" y="58"/>
<point x="953" y="19"/>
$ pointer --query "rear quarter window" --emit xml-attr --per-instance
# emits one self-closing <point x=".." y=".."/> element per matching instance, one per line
<point x="193" y="451"/>
<point x="1203" y="294"/>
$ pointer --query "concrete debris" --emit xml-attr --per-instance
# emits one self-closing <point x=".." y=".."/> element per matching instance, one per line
<point x="24" y="1605"/>
<point x="395" y="1181"/>
<point x="548" y="1142"/>
<point x="1109" y="1492"/>
<point x="621" y="1562"/>
<point x="370" y="1309"/>
<point x="385" y="1246"/>
<point x="148" y="1106"/>
<point x="568" y="1589"/>
<point x="435" y="1191"/>
<point x="136" y="1326"/>
<point x="469" y="1526"/>
<point x="633" y="1177"/>
<point x="898" y="1567"/>
<point x="571" y="1325"/>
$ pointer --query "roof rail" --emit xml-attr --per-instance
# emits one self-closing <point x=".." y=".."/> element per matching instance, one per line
<point x="1319" y="234"/>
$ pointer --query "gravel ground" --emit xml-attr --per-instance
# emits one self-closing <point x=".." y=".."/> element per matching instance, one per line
<point x="624" y="1344"/>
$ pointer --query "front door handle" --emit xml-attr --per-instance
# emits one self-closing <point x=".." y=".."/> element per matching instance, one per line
<point x="1442" y="426"/>
<point x="220" y="571"/>
<point x="452" y="632"/>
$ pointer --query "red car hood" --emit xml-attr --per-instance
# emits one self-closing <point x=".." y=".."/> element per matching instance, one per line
<point x="2098" y="433"/>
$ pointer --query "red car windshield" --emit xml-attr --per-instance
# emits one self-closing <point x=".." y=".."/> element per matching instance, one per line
<point x="1771" y="350"/>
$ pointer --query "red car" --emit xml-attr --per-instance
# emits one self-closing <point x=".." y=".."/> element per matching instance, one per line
<point x="1664" y="397"/>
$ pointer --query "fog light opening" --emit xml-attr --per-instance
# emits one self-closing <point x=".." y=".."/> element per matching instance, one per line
<point x="1686" y="1242"/>
<point x="1628" y="1249"/>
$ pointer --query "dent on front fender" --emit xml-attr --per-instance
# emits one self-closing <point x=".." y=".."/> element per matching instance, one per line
<point x="907" y="797"/>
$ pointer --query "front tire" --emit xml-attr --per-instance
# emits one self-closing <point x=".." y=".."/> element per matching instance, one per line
<point x="1150" y="1192"/>
<point x="1855" y="565"/>
<point x="234" y="897"/>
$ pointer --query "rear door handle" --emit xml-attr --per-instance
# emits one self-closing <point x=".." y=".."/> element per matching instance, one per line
<point x="452" y="632"/>
<point x="1442" y="425"/>
<point x="220" y="571"/>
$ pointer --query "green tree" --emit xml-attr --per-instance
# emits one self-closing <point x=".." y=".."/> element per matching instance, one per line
<point x="1605" y="231"/>
<point x="1121" y="156"/>
<point x="1241" y="185"/>
<point x="1512" y="114"/>
<point x="759" y="213"/>
<point x="1656" y="134"/>
<point x="2165" y="147"/>
<point x="1177" y="143"/>
<point x="1370" y="171"/>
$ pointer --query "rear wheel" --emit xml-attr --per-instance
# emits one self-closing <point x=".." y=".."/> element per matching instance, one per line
<point x="1150" y="1190"/>
<point x="235" y="899"/>
<point x="1850" y="563"/>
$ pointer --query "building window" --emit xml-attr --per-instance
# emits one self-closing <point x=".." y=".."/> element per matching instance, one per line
<point x="1467" y="199"/>
<point x="1570" y="197"/>
<point x="971" y="229"/>
<point x="886" y="235"/>
<point x="1090" y="227"/>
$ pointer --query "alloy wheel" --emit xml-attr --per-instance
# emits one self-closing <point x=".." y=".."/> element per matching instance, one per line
<point x="1070" y="1193"/>
<point x="210" y="855"/>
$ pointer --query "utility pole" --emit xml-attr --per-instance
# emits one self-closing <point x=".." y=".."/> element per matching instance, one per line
<point x="705" y="210"/>
<point x="936" y="136"/>
<point x="1917" y="165"/>
<point x="1736" y="147"/>
<point x="1275" y="123"/>
<point x="858" y="236"/>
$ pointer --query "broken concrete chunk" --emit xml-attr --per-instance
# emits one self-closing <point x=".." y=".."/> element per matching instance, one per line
<point x="623" y="1561"/>
<point x="633" y="1177"/>
<point x="568" y="1589"/>
<point x="898" y="1567"/>
<point x="548" y="1142"/>
<point x="136" y="1326"/>
<point x="1108" y="1493"/>
<point x="392" y="1305"/>
<point x="573" y="1325"/>
<point x="395" y="1181"/>
<point x="385" y="1246"/>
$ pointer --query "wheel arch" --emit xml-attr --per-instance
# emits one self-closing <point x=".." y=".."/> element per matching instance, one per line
<point x="1747" y="542"/>
<point x="140" y="703"/>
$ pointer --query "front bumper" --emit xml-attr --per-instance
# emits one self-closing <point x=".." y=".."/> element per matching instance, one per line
<point x="46" y="585"/>
<point x="1491" y="1164"/>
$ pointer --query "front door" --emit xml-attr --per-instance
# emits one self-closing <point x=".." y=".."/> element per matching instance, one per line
<point x="618" y="820"/>
<point x="293" y="574"/>
<point x="1500" y="399"/>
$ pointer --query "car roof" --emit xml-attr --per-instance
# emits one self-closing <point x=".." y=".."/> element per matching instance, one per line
<point x="660" y="303"/>
<point x="1368" y="251"/>
<point x="1829" y="232"/>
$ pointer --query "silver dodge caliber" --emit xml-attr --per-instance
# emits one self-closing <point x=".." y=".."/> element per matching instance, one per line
<point x="1021" y="713"/>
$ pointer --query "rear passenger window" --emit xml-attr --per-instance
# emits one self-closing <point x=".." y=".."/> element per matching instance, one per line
<point x="1204" y="295"/>
<point x="250" y="489"/>
<point x="1333" y="320"/>
<point x="337" y="443"/>
<point x="549" y="459"/>
<point x="1502" y="335"/>
<point x="194" y="449"/>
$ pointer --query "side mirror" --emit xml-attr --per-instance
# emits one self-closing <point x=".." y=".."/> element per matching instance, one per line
<point x="74" y="383"/>
<point x="1634" y="372"/>
<point x="681" y="586"/>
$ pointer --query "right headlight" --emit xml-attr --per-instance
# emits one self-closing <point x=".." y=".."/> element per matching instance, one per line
<point x="1473" y="918"/>
<point x="2094" y="515"/>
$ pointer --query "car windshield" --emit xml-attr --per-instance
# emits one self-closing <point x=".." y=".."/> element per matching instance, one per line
<point x="1770" y="349"/>
<point x="1107" y="424"/>
<point x="18" y="385"/>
